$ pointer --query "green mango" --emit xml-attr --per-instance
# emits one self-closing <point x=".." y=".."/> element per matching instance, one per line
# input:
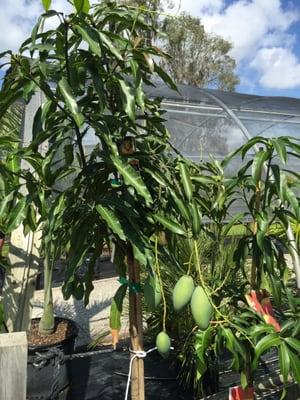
<point x="201" y="307"/>
<point x="183" y="292"/>
<point x="152" y="293"/>
<point x="163" y="344"/>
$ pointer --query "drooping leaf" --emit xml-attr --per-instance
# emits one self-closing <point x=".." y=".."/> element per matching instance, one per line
<point x="90" y="37"/>
<point x="264" y="344"/>
<point x="128" y="98"/>
<point x="257" y="165"/>
<point x="109" y="44"/>
<point x="294" y="343"/>
<point x="132" y="178"/>
<point x="117" y="308"/>
<point x="71" y="103"/>
<point x="279" y="146"/>
<point x="284" y="361"/>
<point x="295" y="365"/>
<point x="17" y="215"/>
<point x="170" y="224"/>
<point x="112" y="220"/>
<point x="186" y="181"/>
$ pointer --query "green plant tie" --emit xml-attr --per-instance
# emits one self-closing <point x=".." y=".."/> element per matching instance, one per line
<point x="133" y="287"/>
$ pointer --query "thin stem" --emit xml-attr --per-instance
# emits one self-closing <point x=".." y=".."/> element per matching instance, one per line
<point x="206" y="291"/>
<point x="77" y="131"/>
<point x="160" y="284"/>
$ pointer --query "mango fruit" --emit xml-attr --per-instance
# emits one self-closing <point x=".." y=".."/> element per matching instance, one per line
<point x="152" y="293"/>
<point x="163" y="344"/>
<point x="201" y="308"/>
<point x="182" y="292"/>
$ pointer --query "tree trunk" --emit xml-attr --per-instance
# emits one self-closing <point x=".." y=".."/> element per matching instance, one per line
<point x="136" y="329"/>
<point x="46" y="325"/>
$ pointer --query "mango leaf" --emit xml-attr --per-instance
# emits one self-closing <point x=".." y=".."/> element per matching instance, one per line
<point x="284" y="361"/>
<point x="128" y="98"/>
<point x="71" y="103"/>
<point x="46" y="4"/>
<point x="181" y="206"/>
<point x="82" y="6"/>
<point x="293" y="201"/>
<point x="4" y="202"/>
<point x="89" y="275"/>
<point x="263" y="345"/>
<point x="112" y="220"/>
<point x="17" y="215"/>
<point x="171" y="225"/>
<point x="132" y="178"/>
<point x="186" y="180"/>
<point x="294" y="343"/>
<point x="280" y="148"/>
<point x="90" y="37"/>
<point x="165" y="77"/>
<point x="232" y="222"/>
<point x="117" y="307"/>
<point x="295" y="365"/>
<point x="257" y="165"/>
<point x="196" y="218"/>
<point x="109" y="44"/>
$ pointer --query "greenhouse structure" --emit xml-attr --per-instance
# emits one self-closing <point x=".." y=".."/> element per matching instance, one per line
<point x="204" y="122"/>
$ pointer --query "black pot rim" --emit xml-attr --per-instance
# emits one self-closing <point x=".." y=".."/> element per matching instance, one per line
<point x="59" y="343"/>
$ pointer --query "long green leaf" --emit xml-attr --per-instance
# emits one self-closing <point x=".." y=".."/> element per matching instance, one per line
<point x="280" y="148"/>
<point x="295" y="365"/>
<point x="171" y="225"/>
<point x="109" y="44"/>
<point x="82" y="6"/>
<point x="186" y="181"/>
<point x="294" y="343"/>
<point x="128" y="99"/>
<point x="71" y="103"/>
<point x="257" y="165"/>
<point x="112" y="220"/>
<point x="17" y="215"/>
<point x="265" y="344"/>
<point x="132" y="178"/>
<point x="90" y="37"/>
<point x="117" y="308"/>
<point x="284" y="361"/>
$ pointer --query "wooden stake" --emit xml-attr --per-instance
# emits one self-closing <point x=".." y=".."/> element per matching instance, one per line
<point x="135" y="328"/>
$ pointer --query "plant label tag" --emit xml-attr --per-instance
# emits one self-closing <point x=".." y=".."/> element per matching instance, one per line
<point x="238" y="393"/>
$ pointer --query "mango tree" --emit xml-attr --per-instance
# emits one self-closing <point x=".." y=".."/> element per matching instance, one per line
<point x="92" y="71"/>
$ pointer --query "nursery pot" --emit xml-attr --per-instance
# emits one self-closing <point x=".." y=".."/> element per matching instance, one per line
<point x="48" y="370"/>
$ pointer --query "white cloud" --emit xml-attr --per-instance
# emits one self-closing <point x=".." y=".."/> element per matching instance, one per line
<point x="17" y="18"/>
<point x="198" y="7"/>
<point x="259" y="30"/>
<point x="248" y="24"/>
<point x="279" y="68"/>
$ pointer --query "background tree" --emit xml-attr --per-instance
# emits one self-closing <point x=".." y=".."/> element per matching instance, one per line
<point x="197" y="58"/>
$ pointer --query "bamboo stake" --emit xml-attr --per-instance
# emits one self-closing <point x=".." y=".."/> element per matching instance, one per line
<point x="135" y="328"/>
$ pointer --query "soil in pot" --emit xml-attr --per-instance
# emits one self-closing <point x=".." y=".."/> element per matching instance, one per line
<point x="48" y="373"/>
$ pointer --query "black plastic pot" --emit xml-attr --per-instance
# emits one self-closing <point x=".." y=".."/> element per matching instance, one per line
<point x="48" y="371"/>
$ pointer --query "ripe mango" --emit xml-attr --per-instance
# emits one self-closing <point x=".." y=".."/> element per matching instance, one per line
<point x="182" y="292"/>
<point x="152" y="293"/>
<point x="201" y="308"/>
<point x="163" y="344"/>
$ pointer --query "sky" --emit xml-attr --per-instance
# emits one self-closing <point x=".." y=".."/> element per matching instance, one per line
<point x="265" y="35"/>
